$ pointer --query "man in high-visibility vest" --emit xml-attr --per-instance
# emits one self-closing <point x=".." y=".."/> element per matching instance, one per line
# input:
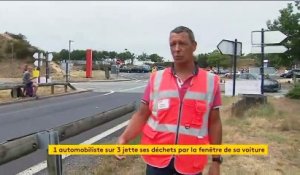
<point x="180" y="106"/>
<point x="154" y="69"/>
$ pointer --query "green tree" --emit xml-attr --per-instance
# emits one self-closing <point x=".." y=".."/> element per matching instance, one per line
<point x="143" y="57"/>
<point x="216" y="59"/>
<point x="127" y="55"/>
<point x="297" y="3"/>
<point x="56" y="56"/>
<point x="202" y="60"/>
<point x="155" y="58"/>
<point x="22" y="49"/>
<point x="20" y="45"/>
<point x="98" y="55"/>
<point x="63" y="55"/>
<point x="113" y="54"/>
<point x="78" y="55"/>
<point x="288" y="23"/>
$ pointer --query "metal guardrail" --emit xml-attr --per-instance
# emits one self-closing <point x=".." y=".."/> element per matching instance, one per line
<point x="21" y="146"/>
<point x="14" y="86"/>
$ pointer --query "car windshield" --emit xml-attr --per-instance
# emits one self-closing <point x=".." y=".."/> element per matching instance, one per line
<point x="267" y="70"/>
<point x="270" y="70"/>
<point x="248" y="76"/>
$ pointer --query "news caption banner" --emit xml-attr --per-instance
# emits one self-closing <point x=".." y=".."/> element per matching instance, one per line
<point x="258" y="149"/>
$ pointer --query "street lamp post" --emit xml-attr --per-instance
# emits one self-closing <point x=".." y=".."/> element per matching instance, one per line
<point x="67" y="63"/>
<point x="70" y="41"/>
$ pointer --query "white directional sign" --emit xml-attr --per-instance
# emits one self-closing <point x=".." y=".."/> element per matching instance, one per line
<point x="269" y="49"/>
<point x="50" y="57"/>
<point x="270" y="37"/>
<point x="36" y="63"/>
<point x="42" y="56"/>
<point x="226" y="47"/>
<point x="36" y="55"/>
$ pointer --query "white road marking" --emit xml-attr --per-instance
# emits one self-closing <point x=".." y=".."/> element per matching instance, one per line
<point x="111" y="92"/>
<point x="39" y="167"/>
<point x="122" y="90"/>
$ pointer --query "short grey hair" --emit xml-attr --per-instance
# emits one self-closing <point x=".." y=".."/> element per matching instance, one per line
<point x="181" y="29"/>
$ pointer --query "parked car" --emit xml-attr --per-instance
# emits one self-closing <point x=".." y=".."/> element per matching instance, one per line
<point x="290" y="73"/>
<point x="270" y="85"/>
<point x="222" y="71"/>
<point x="141" y="69"/>
<point x="160" y="67"/>
<point x="230" y="74"/>
<point x="125" y="69"/>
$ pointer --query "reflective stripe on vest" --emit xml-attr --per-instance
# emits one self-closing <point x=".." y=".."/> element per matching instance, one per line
<point x="208" y="97"/>
<point x="166" y="94"/>
<point x="157" y="81"/>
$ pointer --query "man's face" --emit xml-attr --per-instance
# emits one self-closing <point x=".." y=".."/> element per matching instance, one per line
<point x="182" y="47"/>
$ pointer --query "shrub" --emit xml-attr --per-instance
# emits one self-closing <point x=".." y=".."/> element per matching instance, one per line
<point x="294" y="93"/>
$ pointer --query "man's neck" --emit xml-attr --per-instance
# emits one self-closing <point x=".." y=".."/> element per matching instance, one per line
<point x="184" y="70"/>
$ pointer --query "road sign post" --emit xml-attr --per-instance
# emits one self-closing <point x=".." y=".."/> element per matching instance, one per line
<point x="234" y="66"/>
<point x="49" y="58"/>
<point x="268" y="42"/>
<point x="262" y="61"/>
<point x="234" y="48"/>
<point x="39" y="66"/>
<point x="37" y="56"/>
<point x="67" y="71"/>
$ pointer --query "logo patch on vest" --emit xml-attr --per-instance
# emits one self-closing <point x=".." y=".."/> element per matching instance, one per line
<point x="163" y="104"/>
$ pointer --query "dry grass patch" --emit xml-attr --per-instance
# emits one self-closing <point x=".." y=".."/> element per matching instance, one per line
<point x="123" y="167"/>
<point x="264" y="125"/>
<point x="80" y="75"/>
<point x="42" y="91"/>
<point x="260" y="125"/>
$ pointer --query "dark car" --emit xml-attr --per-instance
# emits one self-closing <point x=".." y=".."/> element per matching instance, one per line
<point x="270" y="85"/>
<point x="141" y="69"/>
<point x="125" y="69"/>
<point x="290" y="73"/>
<point x="160" y="67"/>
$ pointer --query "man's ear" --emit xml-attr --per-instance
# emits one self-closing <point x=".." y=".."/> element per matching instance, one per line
<point x="194" y="46"/>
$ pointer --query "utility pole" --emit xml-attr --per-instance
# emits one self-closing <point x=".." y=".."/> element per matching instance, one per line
<point x="67" y="63"/>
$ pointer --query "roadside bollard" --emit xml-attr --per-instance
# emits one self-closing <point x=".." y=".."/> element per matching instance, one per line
<point x="107" y="73"/>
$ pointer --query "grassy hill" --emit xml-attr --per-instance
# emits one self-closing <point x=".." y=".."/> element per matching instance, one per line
<point x="15" y="51"/>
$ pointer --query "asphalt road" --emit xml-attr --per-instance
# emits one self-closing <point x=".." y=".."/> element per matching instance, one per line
<point x="29" y="117"/>
<point x="24" y="118"/>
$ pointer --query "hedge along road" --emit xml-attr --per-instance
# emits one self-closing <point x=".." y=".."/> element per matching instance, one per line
<point x="24" y="118"/>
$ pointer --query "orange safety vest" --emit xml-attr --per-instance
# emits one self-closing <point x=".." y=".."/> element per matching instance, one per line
<point x="183" y="123"/>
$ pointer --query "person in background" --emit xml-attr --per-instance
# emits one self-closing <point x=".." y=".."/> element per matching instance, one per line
<point x="180" y="106"/>
<point x="28" y="79"/>
<point x="154" y="69"/>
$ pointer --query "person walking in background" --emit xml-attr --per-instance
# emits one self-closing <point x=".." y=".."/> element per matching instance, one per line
<point x="180" y="106"/>
<point x="154" y="69"/>
<point x="27" y="80"/>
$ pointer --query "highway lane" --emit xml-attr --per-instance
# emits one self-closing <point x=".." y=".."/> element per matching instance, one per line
<point x="44" y="114"/>
<point x="24" y="118"/>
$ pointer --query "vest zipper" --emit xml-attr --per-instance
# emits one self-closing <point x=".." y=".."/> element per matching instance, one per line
<point x="178" y="122"/>
<point x="180" y="112"/>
